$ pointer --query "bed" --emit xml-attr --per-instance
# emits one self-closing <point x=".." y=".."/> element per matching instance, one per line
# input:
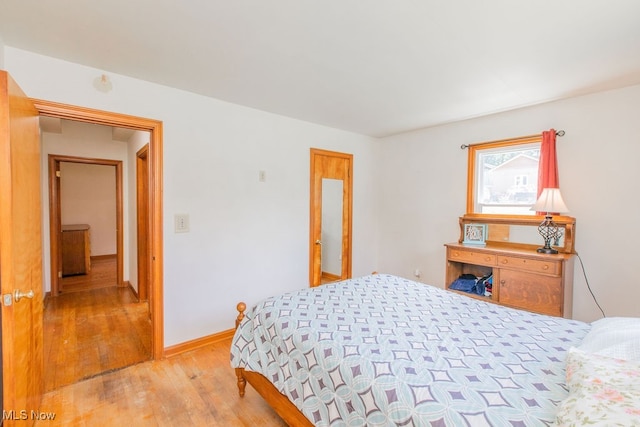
<point x="382" y="350"/>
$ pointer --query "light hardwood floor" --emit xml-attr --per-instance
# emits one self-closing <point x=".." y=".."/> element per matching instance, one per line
<point x="101" y="275"/>
<point x="197" y="388"/>
<point x="97" y="339"/>
<point x="93" y="327"/>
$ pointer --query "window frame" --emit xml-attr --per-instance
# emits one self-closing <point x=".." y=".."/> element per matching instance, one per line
<point x="471" y="173"/>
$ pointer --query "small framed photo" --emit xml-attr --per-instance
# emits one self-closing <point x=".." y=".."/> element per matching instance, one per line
<point x="475" y="234"/>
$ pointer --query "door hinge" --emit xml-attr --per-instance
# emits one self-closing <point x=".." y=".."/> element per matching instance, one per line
<point x="57" y="174"/>
<point x="59" y="274"/>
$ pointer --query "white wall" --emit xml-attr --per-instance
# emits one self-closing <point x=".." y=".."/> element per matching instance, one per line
<point x="423" y="192"/>
<point x="248" y="239"/>
<point x="88" y="196"/>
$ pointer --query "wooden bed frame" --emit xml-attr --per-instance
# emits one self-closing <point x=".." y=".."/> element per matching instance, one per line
<point x="278" y="401"/>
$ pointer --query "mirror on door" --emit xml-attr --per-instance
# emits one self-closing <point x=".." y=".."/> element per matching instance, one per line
<point x="331" y="230"/>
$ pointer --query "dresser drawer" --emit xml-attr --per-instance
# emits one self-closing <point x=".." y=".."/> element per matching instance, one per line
<point x="471" y="256"/>
<point x="553" y="268"/>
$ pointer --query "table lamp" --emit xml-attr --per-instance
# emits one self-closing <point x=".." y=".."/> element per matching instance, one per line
<point x="550" y="201"/>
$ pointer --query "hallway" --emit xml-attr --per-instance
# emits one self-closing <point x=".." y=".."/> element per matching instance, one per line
<point x="93" y="327"/>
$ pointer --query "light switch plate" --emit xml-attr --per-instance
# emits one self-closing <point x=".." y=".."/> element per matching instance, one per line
<point x="181" y="223"/>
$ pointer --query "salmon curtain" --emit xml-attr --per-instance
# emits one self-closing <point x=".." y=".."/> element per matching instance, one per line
<point x="548" y="164"/>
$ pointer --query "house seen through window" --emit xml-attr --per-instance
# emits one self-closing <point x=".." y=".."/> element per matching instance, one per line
<point x="505" y="177"/>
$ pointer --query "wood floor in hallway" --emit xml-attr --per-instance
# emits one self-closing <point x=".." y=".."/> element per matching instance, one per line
<point x="92" y="327"/>
<point x="102" y="274"/>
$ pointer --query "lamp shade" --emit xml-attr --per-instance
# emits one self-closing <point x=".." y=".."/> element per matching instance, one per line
<point x="550" y="200"/>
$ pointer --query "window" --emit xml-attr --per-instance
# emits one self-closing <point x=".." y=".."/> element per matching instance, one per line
<point x="503" y="177"/>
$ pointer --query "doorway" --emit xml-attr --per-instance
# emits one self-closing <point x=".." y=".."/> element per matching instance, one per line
<point x="56" y="217"/>
<point x="154" y="217"/>
<point x="330" y="216"/>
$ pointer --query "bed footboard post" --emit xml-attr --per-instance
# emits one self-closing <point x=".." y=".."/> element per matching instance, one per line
<point x="242" y="383"/>
<point x="241" y="307"/>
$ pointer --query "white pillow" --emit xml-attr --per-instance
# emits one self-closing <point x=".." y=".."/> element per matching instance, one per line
<point x="603" y="392"/>
<point x="617" y="337"/>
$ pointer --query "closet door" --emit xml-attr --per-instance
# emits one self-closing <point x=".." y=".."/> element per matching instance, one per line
<point x="330" y="217"/>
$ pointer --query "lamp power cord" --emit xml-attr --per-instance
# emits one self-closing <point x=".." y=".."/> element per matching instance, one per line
<point x="584" y="273"/>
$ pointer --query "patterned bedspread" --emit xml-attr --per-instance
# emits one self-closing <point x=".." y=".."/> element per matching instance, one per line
<point x="381" y="350"/>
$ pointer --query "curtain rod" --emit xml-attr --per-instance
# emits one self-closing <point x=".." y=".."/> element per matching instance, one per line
<point x="463" y="146"/>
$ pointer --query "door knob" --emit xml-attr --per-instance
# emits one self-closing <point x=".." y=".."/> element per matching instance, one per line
<point x="18" y="294"/>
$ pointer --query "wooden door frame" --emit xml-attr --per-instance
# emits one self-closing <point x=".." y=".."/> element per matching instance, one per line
<point x="142" y="223"/>
<point x="315" y="198"/>
<point x="55" y="216"/>
<point x="154" y="127"/>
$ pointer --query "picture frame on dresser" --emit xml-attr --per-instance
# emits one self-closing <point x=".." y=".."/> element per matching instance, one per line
<point x="475" y="234"/>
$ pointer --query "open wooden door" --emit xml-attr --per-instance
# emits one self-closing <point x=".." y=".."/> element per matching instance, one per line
<point x="142" y="223"/>
<point x="20" y="255"/>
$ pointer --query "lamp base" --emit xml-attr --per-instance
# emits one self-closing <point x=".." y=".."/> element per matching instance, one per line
<point x="547" y="251"/>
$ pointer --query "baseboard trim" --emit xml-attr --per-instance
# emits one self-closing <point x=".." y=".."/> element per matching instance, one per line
<point x="174" y="350"/>
<point x="128" y="284"/>
<point x="102" y="257"/>
<point x="330" y="276"/>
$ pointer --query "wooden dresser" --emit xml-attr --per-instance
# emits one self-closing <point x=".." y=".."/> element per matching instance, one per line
<point x="522" y="278"/>
<point x="76" y="249"/>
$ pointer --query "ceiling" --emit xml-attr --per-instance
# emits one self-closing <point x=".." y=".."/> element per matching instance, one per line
<point x="375" y="67"/>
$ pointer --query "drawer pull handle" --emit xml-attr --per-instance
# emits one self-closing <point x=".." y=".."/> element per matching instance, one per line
<point x="487" y="258"/>
<point x="545" y="267"/>
<point x="504" y="261"/>
<point x="503" y="282"/>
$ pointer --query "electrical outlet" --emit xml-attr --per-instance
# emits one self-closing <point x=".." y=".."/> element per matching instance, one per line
<point x="181" y="223"/>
